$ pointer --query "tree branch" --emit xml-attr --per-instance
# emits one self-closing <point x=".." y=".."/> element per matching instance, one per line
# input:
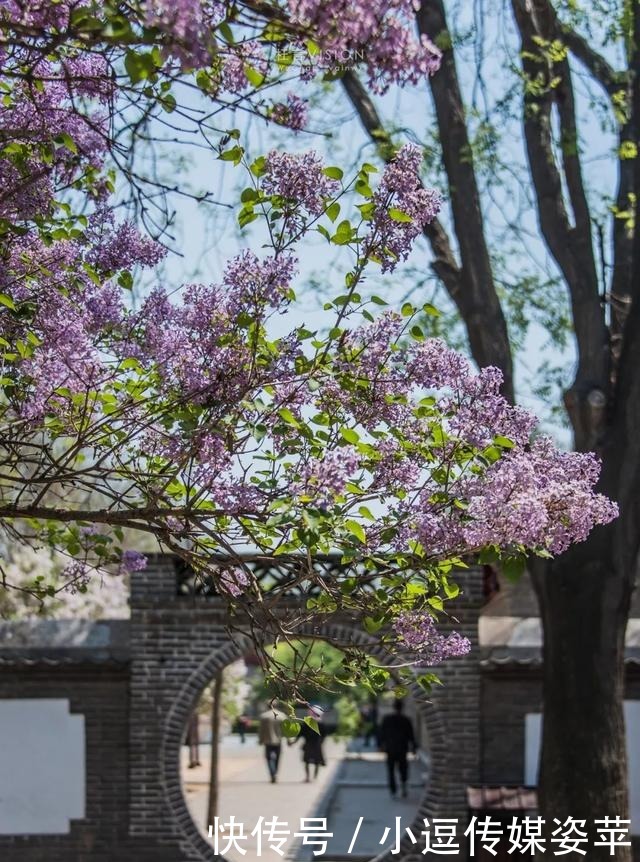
<point x="571" y="246"/>
<point x="609" y="79"/>
<point x="471" y="285"/>
<point x="444" y="264"/>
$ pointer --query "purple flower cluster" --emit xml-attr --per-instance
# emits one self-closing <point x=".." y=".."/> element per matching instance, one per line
<point x="417" y="633"/>
<point x="324" y="479"/>
<point x="189" y="343"/>
<point x="117" y="247"/>
<point x="376" y="32"/>
<point x="298" y="178"/>
<point x="233" y="75"/>
<point x="233" y="582"/>
<point x="132" y="561"/>
<point x="294" y="113"/>
<point x="189" y="24"/>
<point x="529" y="494"/>
<point x="252" y="284"/>
<point x="213" y="458"/>
<point x="43" y="115"/>
<point x="402" y="208"/>
<point x="77" y="576"/>
<point x="539" y="497"/>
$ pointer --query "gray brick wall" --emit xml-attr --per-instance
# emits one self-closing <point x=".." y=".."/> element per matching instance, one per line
<point x="101" y="695"/>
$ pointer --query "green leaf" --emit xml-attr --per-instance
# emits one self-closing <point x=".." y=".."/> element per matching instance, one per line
<point x="7" y="301"/>
<point x="287" y="416"/>
<point x="505" y="442"/>
<point x="312" y="723"/>
<point x="430" y="309"/>
<point x="333" y="173"/>
<point x="234" y="155"/>
<point x="133" y="66"/>
<point x="513" y="567"/>
<point x="426" y="681"/>
<point x="398" y="215"/>
<point x="258" y="167"/>
<point x="254" y="77"/>
<point x="356" y="529"/>
<point x="451" y="590"/>
<point x="333" y="210"/>
<point x="350" y="435"/>
<point x="417" y="333"/>
<point x="436" y="603"/>
<point x="226" y="32"/>
<point x="371" y="626"/>
<point x="290" y="728"/>
<point x="67" y="141"/>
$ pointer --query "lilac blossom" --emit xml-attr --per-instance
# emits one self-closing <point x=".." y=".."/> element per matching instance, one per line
<point x="252" y="283"/>
<point x="233" y="582"/>
<point x="77" y="577"/>
<point x="378" y="33"/>
<point x="294" y="113"/>
<point x="402" y="208"/>
<point x="299" y="179"/>
<point x="190" y="25"/>
<point x="234" y="65"/>
<point x="416" y="632"/>
<point x="132" y="561"/>
<point x="324" y="479"/>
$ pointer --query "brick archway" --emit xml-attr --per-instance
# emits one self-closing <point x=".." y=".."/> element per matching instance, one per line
<point x="179" y="644"/>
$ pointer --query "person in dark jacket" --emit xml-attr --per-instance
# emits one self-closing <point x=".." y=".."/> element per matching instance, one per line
<point x="312" y="753"/>
<point x="397" y="739"/>
<point x="193" y="740"/>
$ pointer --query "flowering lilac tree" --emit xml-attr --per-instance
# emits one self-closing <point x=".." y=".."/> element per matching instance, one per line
<point x="186" y="418"/>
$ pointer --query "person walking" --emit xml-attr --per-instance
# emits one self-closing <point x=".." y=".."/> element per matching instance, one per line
<point x="270" y="735"/>
<point x="242" y="725"/>
<point x="312" y="753"/>
<point x="396" y="738"/>
<point x="369" y="723"/>
<point x="193" y="740"/>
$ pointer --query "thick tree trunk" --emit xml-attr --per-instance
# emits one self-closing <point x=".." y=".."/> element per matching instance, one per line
<point x="585" y="605"/>
<point x="585" y="597"/>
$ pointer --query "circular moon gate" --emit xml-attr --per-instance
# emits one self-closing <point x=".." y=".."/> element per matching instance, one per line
<point x="179" y="643"/>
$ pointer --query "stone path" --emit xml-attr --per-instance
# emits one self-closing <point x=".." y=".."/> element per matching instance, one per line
<point x="360" y="790"/>
<point x="350" y="787"/>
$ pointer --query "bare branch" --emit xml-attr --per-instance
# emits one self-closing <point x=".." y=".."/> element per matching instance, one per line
<point x="609" y="79"/>
<point x="471" y="285"/>
<point x="570" y="245"/>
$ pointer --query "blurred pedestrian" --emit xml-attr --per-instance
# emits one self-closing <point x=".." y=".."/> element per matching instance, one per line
<point x="369" y="723"/>
<point x="270" y="735"/>
<point x="193" y="740"/>
<point x="312" y="753"/>
<point x="243" y="725"/>
<point x="396" y="739"/>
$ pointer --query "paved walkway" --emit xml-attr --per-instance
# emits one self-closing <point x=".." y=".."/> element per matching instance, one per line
<point x="247" y="794"/>
<point x="350" y="787"/>
<point x="360" y="791"/>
